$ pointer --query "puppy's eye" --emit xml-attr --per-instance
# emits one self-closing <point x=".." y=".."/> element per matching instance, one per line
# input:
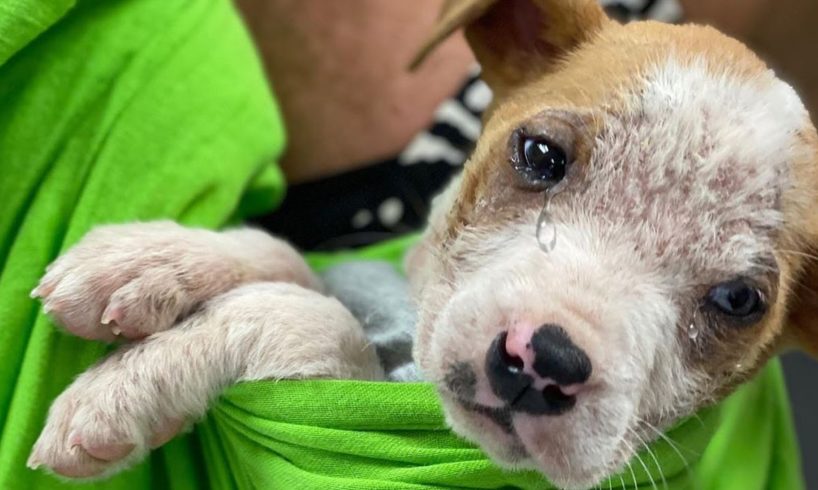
<point x="737" y="299"/>
<point x="542" y="162"/>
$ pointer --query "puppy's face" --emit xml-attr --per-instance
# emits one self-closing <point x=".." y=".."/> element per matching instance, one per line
<point x="680" y="180"/>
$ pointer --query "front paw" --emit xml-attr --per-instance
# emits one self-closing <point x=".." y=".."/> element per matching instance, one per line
<point x="94" y="431"/>
<point x="133" y="280"/>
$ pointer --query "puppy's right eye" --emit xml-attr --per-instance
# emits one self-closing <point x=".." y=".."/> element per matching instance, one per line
<point x="541" y="162"/>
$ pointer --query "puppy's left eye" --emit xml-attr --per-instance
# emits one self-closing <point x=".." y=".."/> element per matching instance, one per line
<point x="737" y="299"/>
<point x="542" y="163"/>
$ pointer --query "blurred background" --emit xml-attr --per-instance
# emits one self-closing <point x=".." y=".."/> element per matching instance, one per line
<point x="802" y="376"/>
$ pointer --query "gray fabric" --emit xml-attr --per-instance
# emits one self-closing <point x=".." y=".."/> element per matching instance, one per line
<point x="378" y="296"/>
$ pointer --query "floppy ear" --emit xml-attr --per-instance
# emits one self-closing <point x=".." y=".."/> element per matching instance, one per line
<point x="803" y="316"/>
<point x="517" y="39"/>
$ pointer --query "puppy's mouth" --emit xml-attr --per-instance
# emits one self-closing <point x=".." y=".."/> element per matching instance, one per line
<point x="529" y="398"/>
<point x="500" y="416"/>
<point x="514" y="452"/>
<point x="518" y="456"/>
<point x="523" y="394"/>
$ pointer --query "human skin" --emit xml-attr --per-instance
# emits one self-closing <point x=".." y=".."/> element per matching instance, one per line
<point x="339" y="70"/>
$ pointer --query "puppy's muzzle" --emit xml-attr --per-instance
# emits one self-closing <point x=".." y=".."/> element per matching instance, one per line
<point x="537" y="371"/>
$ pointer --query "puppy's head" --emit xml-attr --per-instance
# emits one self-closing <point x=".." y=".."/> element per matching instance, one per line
<point x="682" y="192"/>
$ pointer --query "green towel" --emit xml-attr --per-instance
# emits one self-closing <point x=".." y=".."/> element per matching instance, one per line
<point x="358" y="435"/>
<point x="113" y="111"/>
<point x="118" y="110"/>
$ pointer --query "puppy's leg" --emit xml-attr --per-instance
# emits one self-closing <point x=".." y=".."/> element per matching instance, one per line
<point x="143" y="394"/>
<point x="138" y="279"/>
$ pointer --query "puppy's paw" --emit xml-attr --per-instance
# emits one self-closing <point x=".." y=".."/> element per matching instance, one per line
<point x="134" y="280"/>
<point x="92" y="431"/>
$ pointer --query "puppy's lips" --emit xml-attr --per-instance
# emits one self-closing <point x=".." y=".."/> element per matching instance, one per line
<point x="502" y="417"/>
<point x="525" y="449"/>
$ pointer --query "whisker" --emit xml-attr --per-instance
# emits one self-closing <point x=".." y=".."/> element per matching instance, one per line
<point x="653" y="456"/>
<point x="699" y="419"/>
<point x="630" y="466"/>
<point x="633" y="475"/>
<point x="673" y="444"/>
<point x="641" y="462"/>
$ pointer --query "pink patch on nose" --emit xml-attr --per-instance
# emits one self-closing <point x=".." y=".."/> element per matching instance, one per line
<point x="571" y="390"/>
<point x="518" y="343"/>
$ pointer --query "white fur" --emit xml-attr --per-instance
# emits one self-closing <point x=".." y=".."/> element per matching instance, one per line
<point x="137" y="279"/>
<point x="148" y="390"/>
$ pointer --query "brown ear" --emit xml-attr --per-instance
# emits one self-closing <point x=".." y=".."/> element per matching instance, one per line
<point x="803" y="317"/>
<point x="516" y="39"/>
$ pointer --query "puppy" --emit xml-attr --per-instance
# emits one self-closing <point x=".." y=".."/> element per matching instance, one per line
<point x="674" y="175"/>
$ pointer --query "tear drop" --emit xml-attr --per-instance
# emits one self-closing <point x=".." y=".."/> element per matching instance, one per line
<point x="693" y="331"/>
<point x="546" y="229"/>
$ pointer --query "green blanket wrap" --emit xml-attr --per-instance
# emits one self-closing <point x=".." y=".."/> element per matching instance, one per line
<point x="114" y="111"/>
<point x="122" y="110"/>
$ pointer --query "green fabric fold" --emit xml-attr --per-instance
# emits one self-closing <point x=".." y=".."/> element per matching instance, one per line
<point x="368" y="435"/>
<point x="21" y="21"/>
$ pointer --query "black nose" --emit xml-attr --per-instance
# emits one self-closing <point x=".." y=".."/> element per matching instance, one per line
<point x="557" y="363"/>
